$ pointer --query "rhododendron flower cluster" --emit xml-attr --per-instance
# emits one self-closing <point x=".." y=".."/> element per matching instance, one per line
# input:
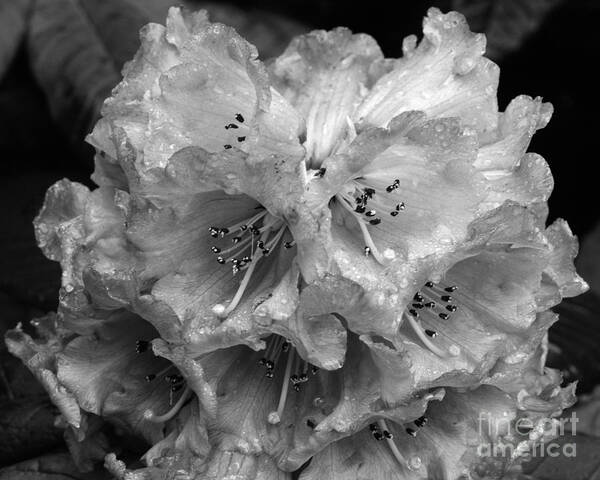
<point x="332" y="261"/>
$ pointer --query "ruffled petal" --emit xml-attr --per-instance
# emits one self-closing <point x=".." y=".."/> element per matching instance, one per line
<point x="562" y="269"/>
<point x="512" y="174"/>
<point x="445" y="75"/>
<point x="109" y="378"/>
<point x="325" y="75"/>
<point x="195" y="84"/>
<point x="456" y="438"/>
<point x="40" y="359"/>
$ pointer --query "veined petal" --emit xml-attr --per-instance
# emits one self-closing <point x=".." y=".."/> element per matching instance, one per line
<point x="561" y="268"/>
<point x="446" y="75"/>
<point x="194" y="84"/>
<point x="456" y="438"/>
<point x="325" y="75"/>
<point x="40" y="359"/>
<point x="512" y="174"/>
<point x="108" y="376"/>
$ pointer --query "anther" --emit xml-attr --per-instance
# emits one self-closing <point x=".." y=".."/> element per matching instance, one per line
<point x="418" y="297"/>
<point x="226" y="146"/>
<point x="215" y="249"/>
<point x="388" y="435"/>
<point x="378" y="435"/>
<point x="214" y="232"/>
<point x="152" y="417"/>
<point x="221" y="260"/>
<point x="369" y="192"/>
<point x="444" y="316"/>
<point x="320" y="172"/>
<point x="235" y="240"/>
<point x="142" y="346"/>
<point x="176" y="388"/>
<point x="314" y="370"/>
<point x="451" y="308"/>
<point x="394" y="213"/>
<point x="367" y="251"/>
<point x="310" y="423"/>
<point x="431" y="333"/>
<point x="446" y="298"/>
<point x="371" y="213"/>
<point x="430" y="304"/>
<point x="289" y="244"/>
<point x="231" y="125"/>
<point x="421" y="421"/>
<point x="429" y="284"/>
<point x="241" y="139"/>
<point x="411" y="432"/>
<point x="451" y="289"/>
<point x="360" y="209"/>
<point x="239" y="117"/>
<point x="150" y="377"/>
<point x="414" y="313"/>
<point x="375" y="221"/>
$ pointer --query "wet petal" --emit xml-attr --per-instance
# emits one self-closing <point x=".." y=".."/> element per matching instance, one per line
<point x="325" y="75"/>
<point x="193" y="84"/>
<point x="562" y="269"/>
<point x="457" y="439"/>
<point x="108" y="376"/>
<point x="512" y="174"/>
<point x="445" y="75"/>
<point x="40" y="359"/>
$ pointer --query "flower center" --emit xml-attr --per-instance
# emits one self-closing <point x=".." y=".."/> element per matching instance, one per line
<point x="370" y="209"/>
<point x="430" y="305"/>
<point x="380" y="432"/>
<point x="177" y="382"/>
<point x="277" y="346"/>
<point x="251" y="240"/>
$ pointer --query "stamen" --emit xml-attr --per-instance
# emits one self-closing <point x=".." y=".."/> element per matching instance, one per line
<point x="152" y="417"/>
<point x="419" y="331"/>
<point x="240" y="291"/>
<point x="275" y="417"/>
<point x="399" y="457"/>
<point x="142" y="346"/>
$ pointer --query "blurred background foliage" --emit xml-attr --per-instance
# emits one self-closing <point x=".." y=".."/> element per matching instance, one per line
<point x="59" y="59"/>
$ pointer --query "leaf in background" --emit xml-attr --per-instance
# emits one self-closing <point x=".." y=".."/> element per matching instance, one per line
<point x="27" y="427"/>
<point x="13" y="21"/>
<point x="70" y="63"/>
<point x="560" y="465"/>
<point x="588" y="413"/>
<point x="506" y="23"/>
<point x="53" y="466"/>
<point x="78" y="47"/>
<point x="588" y="262"/>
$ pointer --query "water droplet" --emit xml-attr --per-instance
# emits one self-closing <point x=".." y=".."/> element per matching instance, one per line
<point x="414" y="463"/>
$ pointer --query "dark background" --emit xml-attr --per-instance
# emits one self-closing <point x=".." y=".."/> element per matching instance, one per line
<point x="57" y="62"/>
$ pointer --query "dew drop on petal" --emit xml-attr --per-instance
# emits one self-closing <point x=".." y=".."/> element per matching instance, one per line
<point x="414" y="463"/>
<point x="273" y="418"/>
<point x="454" y="350"/>
<point x="389" y="254"/>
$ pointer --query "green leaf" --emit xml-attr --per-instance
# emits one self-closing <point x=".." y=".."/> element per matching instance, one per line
<point x="506" y="23"/>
